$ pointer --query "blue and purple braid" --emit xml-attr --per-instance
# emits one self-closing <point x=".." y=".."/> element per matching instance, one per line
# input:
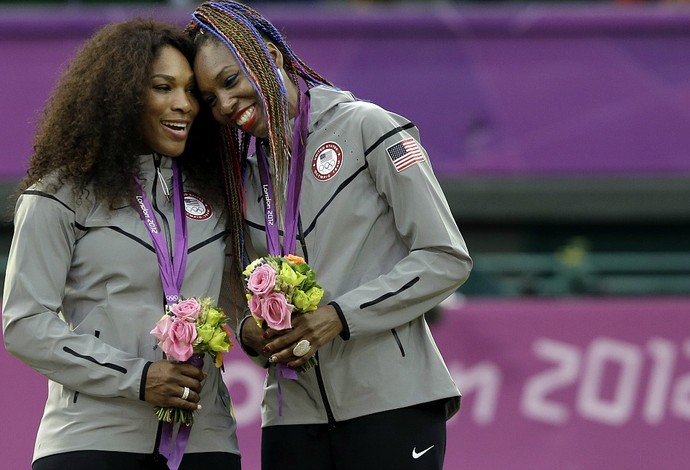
<point x="245" y="33"/>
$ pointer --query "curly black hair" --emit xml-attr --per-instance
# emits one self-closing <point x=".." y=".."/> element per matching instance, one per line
<point x="90" y="132"/>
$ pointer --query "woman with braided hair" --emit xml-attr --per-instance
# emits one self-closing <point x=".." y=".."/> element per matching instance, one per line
<point x="120" y="214"/>
<point x="347" y="186"/>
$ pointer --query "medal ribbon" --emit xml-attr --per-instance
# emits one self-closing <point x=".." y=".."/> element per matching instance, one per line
<point x="172" y="275"/>
<point x="299" y="145"/>
<point x="171" y="270"/>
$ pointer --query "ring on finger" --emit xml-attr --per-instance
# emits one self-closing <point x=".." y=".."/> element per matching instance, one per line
<point x="185" y="393"/>
<point x="301" y="348"/>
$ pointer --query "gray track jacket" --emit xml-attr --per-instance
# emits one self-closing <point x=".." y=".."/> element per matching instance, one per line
<point x="384" y="245"/>
<point x="82" y="293"/>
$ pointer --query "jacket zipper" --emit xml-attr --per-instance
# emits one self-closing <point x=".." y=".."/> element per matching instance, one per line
<point x="319" y="377"/>
<point x="154" y="193"/>
<point x="322" y="391"/>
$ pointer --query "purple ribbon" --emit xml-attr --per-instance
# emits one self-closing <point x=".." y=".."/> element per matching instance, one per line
<point x="299" y="145"/>
<point x="175" y="452"/>
<point x="171" y="270"/>
<point x="172" y="276"/>
<point x="285" y="372"/>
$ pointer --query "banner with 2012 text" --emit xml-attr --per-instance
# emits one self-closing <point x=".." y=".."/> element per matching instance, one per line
<point x="547" y="384"/>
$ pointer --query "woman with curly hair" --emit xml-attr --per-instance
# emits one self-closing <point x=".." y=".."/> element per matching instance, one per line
<point x="120" y="214"/>
<point x="347" y="186"/>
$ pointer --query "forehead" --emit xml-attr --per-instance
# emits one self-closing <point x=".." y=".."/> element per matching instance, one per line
<point x="212" y="59"/>
<point x="171" y="61"/>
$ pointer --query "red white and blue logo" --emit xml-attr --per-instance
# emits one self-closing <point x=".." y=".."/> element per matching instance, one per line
<point x="327" y="161"/>
<point x="195" y="207"/>
<point x="405" y="153"/>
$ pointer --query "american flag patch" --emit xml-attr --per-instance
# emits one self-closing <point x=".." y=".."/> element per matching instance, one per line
<point x="405" y="154"/>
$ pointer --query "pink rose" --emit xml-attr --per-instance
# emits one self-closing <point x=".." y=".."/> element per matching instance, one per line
<point x="255" y="305"/>
<point x="177" y="338"/>
<point x="262" y="280"/>
<point x="187" y="309"/>
<point x="276" y="311"/>
<point x="162" y="327"/>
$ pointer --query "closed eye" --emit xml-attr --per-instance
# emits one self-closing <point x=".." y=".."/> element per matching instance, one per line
<point x="230" y="81"/>
<point x="210" y="100"/>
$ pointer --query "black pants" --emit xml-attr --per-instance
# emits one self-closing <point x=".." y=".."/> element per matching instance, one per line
<point x="411" y="438"/>
<point x="102" y="460"/>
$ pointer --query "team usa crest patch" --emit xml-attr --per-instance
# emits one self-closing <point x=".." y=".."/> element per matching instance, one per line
<point x="404" y="154"/>
<point x="327" y="161"/>
<point x="195" y="207"/>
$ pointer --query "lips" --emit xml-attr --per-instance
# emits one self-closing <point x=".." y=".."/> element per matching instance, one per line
<point x="179" y="128"/>
<point x="245" y="118"/>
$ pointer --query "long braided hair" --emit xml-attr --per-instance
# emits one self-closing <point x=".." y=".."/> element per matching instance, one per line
<point x="245" y="32"/>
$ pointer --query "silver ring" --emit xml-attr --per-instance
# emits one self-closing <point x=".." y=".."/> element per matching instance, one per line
<point x="301" y="348"/>
<point x="185" y="394"/>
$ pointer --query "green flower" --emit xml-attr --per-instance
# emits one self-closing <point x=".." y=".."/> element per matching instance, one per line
<point x="248" y="270"/>
<point x="300" y="300"/>
<point x="290" y="276"/>
<point x="219" y="342"/>
<point x="205" y="332"/>
<point x="315" y="294"/>
<point x="308" y="301"/>
<point x="214" y="316"/>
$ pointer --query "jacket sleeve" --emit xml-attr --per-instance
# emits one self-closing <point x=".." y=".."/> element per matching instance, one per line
<point x="34" y="329"/>
<point x="437" y="260"/>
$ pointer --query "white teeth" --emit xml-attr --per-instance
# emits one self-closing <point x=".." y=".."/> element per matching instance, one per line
<point x="175" y="125"/>
<point x="244" y="117"/>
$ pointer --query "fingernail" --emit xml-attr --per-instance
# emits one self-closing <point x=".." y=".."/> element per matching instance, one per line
<point x="265" y="335"/>
<point x="272" y="359"/>
<point x="266" y="349"/>
<point x="198" y="406"/>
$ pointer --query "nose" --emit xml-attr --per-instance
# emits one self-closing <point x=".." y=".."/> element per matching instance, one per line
<point x="227" y="104"/>
<point x="184" y="102"/>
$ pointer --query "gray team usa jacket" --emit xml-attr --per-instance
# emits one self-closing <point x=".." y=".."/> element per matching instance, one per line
<point x="81" y="295"/>
<point x="376" y="228"/>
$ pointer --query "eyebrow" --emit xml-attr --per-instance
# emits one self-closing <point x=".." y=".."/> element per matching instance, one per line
<point x="171" y="78"/>
<point x="162" y="75"/>
<point x="223" y="71"/>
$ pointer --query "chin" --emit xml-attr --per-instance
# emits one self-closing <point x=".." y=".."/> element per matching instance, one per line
<point x="171" y="152"/>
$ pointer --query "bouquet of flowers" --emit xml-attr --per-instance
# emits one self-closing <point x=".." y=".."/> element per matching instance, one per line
<point x="279" y="287"/>
<point x="188" y="330"/>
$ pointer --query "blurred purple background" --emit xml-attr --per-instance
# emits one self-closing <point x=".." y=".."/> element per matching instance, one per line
<point x="531" y="114"/>
<point x="594" y="90"/>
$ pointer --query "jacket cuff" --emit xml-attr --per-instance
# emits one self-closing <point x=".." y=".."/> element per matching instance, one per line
<point x="142" y="382"/>
<point x="345" y="334"/>
<point x="245" y="348"/>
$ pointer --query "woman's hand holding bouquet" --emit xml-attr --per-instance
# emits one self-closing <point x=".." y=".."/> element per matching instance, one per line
<point x="279" y="290"/>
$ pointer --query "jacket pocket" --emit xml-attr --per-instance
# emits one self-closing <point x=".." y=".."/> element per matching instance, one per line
<point x="398" y="342"/>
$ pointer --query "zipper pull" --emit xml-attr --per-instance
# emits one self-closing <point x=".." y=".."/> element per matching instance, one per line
<point x="164" y="185"/>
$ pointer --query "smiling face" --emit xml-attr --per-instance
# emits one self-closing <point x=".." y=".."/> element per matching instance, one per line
<point x="228" y="91"/>
<point x="170" y="104"/>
